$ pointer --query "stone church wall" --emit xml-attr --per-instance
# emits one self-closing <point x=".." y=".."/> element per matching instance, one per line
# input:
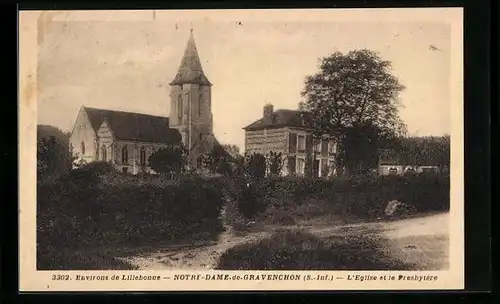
<point x="83" y="138"/>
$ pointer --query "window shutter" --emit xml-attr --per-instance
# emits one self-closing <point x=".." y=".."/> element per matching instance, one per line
<point x="309" y="143"/>
<point x="292" y="142"/>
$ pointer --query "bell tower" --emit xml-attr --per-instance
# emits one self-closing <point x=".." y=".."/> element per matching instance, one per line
<point x="191" y="103"/>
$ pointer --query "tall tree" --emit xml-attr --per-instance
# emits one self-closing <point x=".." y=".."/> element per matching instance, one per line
<point x="233" y="150"/>
<point x="171" y="160"/>
<point x="217" y="160"/>
<point x="275" y="162"/>
<point x="426" y="150"/>
<point x="255" y="165"/>
<point x="54" y="156"/>
<point x="353" y="93"/>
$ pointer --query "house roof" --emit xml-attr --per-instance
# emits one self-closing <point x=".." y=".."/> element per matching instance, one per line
<point x="134" y="126"/>
<point x="282" y="118"/>
<point x="190" y="70"/>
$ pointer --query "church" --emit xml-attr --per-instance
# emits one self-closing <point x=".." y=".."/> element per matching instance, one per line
<point x="127" y="139"/>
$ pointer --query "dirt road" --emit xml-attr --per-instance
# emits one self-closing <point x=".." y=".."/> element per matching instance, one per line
<point x="193" y="257"/>
<point x="421" y="241"/>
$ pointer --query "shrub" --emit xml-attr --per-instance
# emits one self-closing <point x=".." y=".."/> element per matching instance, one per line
<point x="361" y="196"/>
<point x="275" y="162"/>
<point x="296" y="250"/>
<point x="250" y="202"/>
<point x="74" y="212"/>
<point x="170" y="160"/>
<point x="54" y="155"/>
<point x="217" y="161"/>
<point x="255" y="165"/>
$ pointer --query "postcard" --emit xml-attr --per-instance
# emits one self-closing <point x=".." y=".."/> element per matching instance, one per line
<point x="224" y="150"/>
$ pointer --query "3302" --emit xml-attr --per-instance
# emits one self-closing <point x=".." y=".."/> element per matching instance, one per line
<point x="60" y="277"/>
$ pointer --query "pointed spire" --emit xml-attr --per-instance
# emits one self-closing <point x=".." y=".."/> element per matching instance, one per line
<point x="190" y="69"/>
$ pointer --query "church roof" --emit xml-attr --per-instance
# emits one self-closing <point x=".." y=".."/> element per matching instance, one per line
<point x="190" y="70"/>
<point x="134" y="126"/>
<point x="282" y="118"/>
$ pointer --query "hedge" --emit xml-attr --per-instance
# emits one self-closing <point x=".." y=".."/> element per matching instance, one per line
<point x="81" y="209"/>
<point x="361" y="197"/>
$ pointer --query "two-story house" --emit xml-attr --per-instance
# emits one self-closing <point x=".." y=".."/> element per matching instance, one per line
<point x="289" y="132"/>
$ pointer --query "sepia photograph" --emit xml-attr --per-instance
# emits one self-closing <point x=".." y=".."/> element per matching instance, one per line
<point x="211" y="141"/>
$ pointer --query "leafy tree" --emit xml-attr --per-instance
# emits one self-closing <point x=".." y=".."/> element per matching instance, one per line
<point x="349" y="92"/>
<point x="428" y="150"/>
<point x="217" y="161"/>
<point x="308" y="164"/>
<point x="232" y="150"/>
<point x="364" y="143"/>
<point x="47" y="131"/>
<point x="255" y="165"/>
<point x="171" y="160"/>
<point x="54" y="156"/>
<point x="275" y="162"/>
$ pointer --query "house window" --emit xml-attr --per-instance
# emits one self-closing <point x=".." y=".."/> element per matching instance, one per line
<point x="292" y="143"/>
<point x="292" y="166"/>
<point x="143" y="156"/>
<point x="199" y="162"/>
<point x="103" y="153"/>
<point x="317" y="145"/>
<point x="124" y="155"/>
<point x="179" y="107"/>
<point x="124" y="169"/>
<point x="331" y="166"/>
<point x="300" y="165"/>
<point x="301" y="142"/>
<point x="332" y="147"/>
<point x="82" y="148"/>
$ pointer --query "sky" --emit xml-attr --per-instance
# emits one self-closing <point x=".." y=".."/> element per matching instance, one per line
<point x="124" y="61"/>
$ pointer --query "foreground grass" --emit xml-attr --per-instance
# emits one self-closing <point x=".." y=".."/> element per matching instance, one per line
<point x="298" y="250"/>
<point x="69" y="259"/>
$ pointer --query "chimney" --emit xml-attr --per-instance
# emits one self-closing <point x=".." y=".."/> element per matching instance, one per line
<point x="268" y="112"/>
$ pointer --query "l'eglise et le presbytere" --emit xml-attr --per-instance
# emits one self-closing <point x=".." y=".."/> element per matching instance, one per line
<point x="127" y="139"/>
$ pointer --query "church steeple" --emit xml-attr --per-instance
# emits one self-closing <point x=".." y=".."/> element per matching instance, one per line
<point x="190" y="69"/>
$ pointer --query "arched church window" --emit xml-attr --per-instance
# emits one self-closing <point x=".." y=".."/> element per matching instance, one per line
<point x="179" y="107"/>
<point x="82" y="148"/>
<point x="200" y="136"/>
<point x="143" y="156"/>
<point x="199" y="162"/>
<point x="103" y="153"/>
<point x="124" y="155"/>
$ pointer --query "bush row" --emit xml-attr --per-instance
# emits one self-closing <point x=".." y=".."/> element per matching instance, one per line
<point x="363" y="197"/>
<point x="81" y="209"/>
